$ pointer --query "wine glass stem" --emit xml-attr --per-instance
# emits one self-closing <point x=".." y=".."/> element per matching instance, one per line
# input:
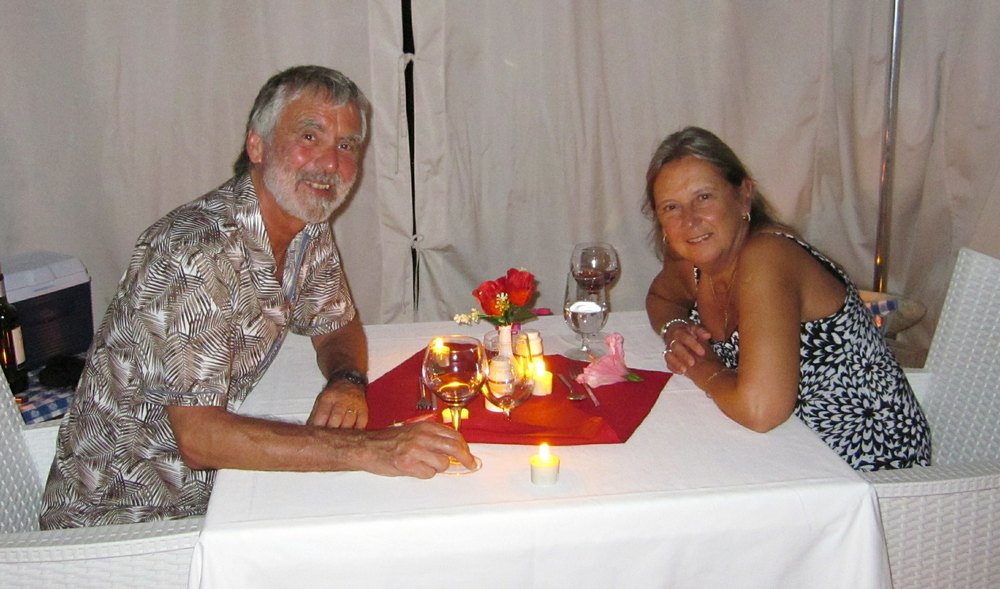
<point x="456" y="417"/>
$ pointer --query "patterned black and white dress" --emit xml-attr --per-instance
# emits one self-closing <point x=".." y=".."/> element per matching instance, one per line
<point x="852" y="391"/>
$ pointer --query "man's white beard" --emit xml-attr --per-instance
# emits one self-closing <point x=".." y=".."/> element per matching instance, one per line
<point x="282" y="183"/>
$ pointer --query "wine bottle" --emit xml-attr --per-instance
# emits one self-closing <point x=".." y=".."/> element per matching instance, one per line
<point x="11" y="343"/>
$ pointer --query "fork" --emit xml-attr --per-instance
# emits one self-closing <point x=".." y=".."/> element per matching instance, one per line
<point x="590" y="392"/>
<point x="426" y="402"/>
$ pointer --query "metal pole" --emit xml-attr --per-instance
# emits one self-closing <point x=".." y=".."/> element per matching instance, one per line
<point x="888" y="145"/>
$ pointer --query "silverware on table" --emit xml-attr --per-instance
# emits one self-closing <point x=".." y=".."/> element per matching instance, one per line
<point x="572" y="394"/>
<point x="575" y="372"/>
<point x="426" y="402"/>
<point x="590" y="393"/>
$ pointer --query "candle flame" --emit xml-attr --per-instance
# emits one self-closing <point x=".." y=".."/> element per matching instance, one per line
<point x="543" y="452"/>
<point x="446" y="414"/>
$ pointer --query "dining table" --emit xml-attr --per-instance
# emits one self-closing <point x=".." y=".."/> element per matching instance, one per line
<point x="689" y="498"/>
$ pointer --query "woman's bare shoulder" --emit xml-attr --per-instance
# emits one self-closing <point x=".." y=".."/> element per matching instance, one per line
<point x="772" y="247"/>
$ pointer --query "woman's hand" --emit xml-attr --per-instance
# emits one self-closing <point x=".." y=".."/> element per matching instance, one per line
<point x="686" y="343"/>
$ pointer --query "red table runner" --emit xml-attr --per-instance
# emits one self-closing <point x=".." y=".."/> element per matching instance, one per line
<point x="553" y="419"/>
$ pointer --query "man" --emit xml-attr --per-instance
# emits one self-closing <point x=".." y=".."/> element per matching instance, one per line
<point x="210" y="293"/>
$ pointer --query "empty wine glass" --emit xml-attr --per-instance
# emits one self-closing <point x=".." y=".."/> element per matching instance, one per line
<point x="594" y="264"/>
<point x="491" y="343"/>
<point x="510" y="380"/>
<point x="453" y="369"/>
<point x="585" y="311"/>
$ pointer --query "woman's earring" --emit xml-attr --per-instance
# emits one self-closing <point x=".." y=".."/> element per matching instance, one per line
<point x="746" y="216"/>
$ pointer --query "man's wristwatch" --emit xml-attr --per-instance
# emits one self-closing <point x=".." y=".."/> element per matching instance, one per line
<point x="354" y="377"/>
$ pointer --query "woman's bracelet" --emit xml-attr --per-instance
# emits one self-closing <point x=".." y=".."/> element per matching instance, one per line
<point x="669" y="324"/>
<point x="717" y="373"/>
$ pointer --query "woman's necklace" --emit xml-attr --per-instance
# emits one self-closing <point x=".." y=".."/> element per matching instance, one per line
<point x="728" y="291"/>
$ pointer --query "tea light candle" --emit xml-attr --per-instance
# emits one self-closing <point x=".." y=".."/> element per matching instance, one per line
<point x="446" y="414"/>
<point x="543" y="379"/>
<point x="544" y="467"/>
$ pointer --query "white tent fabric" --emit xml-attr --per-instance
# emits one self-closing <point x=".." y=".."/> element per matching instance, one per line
<point x="534" y="122"/>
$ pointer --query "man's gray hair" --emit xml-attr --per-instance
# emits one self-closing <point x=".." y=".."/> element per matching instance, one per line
<point x="288" y="85"/>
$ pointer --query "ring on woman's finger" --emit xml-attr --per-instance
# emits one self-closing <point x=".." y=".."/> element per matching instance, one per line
<point x="671" y="344"/>
<point x="350" y="410"/>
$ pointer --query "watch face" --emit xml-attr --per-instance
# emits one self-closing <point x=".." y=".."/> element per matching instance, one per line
<point x="351" y="376"/>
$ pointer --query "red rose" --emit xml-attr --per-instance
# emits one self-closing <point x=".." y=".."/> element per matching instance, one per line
<point x="486" y="294"/>
<point x="520" y="286"/>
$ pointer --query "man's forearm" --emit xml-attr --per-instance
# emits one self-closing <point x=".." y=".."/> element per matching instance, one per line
<point x="212" y="438"/>
<point x="343" y="349"/>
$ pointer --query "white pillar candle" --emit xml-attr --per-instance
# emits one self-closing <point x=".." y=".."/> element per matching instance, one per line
<point x="543" y="379"/>
<point x="544" y="467"/>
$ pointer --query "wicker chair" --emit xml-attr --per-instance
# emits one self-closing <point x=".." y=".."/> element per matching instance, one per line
<point x="942" y="522"/>
<point x="156" y="554"/>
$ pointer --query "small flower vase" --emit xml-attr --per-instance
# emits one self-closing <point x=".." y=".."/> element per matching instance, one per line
<point x="504" y="341"/>
<point x="504" y="348"/>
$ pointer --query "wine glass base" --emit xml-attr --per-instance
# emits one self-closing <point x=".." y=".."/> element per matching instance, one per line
<point x="457" y="468"/>
<point x="594" y="351"/>
<point x="581" y="355"/>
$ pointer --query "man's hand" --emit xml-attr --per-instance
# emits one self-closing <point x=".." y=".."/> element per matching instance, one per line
<point x="420" y="450"/>
<point x="341" y="404"/>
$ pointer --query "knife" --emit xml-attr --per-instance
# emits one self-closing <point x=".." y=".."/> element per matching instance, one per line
<point x="590" y="392"/>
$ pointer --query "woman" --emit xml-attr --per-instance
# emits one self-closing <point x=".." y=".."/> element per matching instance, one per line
<point x="761" y="321"/>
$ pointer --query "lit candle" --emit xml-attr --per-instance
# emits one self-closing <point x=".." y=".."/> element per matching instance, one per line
<point x="544" y="467"/>
<point x="543" y="379"/>
<point x="446" y="414"/>
<point x="440" y="351"/>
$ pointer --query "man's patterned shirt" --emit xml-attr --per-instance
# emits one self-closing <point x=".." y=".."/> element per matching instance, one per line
<point x="198" y="317"/>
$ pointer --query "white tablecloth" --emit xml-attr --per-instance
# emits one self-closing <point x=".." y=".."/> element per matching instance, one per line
<point x="691" y="500"/>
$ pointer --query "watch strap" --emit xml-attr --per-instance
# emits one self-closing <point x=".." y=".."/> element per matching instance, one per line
<point x="355" y="377"/>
